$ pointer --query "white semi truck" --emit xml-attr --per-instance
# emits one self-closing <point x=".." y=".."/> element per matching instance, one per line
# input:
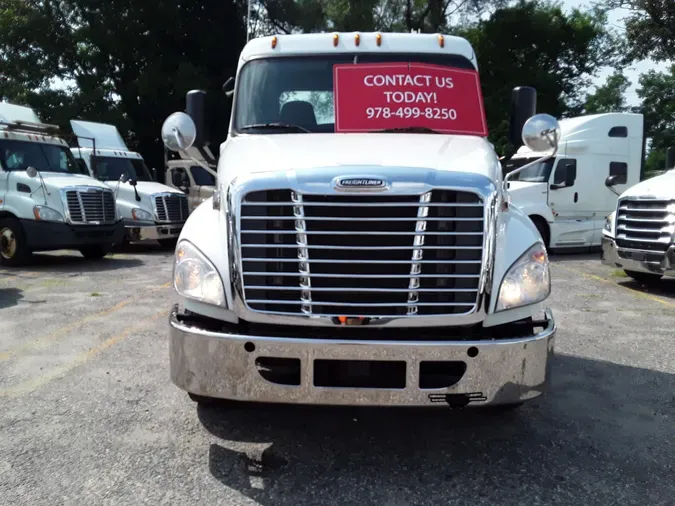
<point x="150" y="210"/>
<point x="567" y="196"/>
<point x="196" y="180"/>
<point x="47" y="202"/>
<point x="360" y="247"/>
<point x="639" y="235"/>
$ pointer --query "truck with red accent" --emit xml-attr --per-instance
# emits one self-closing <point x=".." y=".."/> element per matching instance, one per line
<point x="360" y="247"/>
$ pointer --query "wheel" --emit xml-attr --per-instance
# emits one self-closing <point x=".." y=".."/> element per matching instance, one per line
<point x="168" y="243"/>
<point x="13" y="245"/>
<point x="643" y="277"/>
<point x="542" y="227"/>
<point x="93" y="252"/>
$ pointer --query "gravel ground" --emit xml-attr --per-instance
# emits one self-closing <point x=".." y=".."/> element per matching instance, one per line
<point x="88" y="414"/>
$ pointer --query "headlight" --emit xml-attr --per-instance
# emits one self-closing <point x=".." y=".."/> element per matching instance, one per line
<point x="527" y="281"/>
<point x="609" y="222"/>
<point x="43" y="213"/>
<point x="195" y="277"/>
<point x="140" y="214"/>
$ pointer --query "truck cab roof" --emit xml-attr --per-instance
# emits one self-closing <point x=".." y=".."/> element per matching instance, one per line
<point x="357" y="42"/>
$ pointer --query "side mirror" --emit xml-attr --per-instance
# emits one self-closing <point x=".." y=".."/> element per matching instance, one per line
<point x="132" y="182"/>
<point x="179" y="132"/>
<point x="541" y="133"/>
<point x="178" y="178"/>
<point x="124" y="178"/>
<point x="32" y="172"/>
<point x="228" y="87"/>
<point x="523" y="107"/>
<point x="611" y="181"/>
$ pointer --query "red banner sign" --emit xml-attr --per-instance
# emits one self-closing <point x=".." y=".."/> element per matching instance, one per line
<point x="396" y="95"/>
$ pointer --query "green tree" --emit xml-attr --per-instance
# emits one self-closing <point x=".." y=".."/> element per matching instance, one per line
<point x="610" y="97"/>
<point x="536" y="44"/>
<point x="657" y="92"/>
<point x="650" y="28"/>
<point x="128" y="61"/>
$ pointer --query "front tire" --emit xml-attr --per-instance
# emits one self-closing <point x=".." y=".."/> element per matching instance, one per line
<point x="94" y="252"/>
<point x="14" y="250"/>
<point x="645" y="278"/>
<point x="543" y="229"/>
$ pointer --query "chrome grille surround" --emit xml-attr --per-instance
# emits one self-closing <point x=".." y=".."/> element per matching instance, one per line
<point x="88" y="205"/>
<point x="415" y="187"/>
<point x="645" y="225"/>
<point x="170" y="207"/>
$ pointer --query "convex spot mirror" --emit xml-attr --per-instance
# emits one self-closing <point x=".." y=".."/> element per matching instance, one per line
<point x="179" y="132"/>
<point x="31" y="171"/>
<point x="541" y="133"/>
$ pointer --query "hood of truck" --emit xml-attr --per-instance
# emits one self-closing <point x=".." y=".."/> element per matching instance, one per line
<point x="57" y="180"/>
<point x="660" y="187"/>
<point x="523" y="193"/>
<point x="145" y="190"/>
<point x="246" y="154"/>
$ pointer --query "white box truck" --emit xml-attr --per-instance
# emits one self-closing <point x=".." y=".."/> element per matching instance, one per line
<point x="567" y="196"/>
<point x="47" y="202"/>
<point x="360" y="247"/>
<point x="150" y="210"/>
<point x="639" y="235"/>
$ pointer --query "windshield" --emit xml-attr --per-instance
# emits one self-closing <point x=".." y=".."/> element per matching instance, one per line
<point x="201" y="177"/>
<point x="19" y="155"/>
<point x="379" y="91"/>
<point x="108" y="168"/>
<point x="537" y="173"/>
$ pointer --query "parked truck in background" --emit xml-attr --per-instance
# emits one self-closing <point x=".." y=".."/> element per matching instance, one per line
<point x="47" y="202"/>
<point x="639" y="235"/>
<point x="360" y="247"/>
<point x="567" y="196"/>
<point x="150" y="210"/>
<point x="196" y="180"/>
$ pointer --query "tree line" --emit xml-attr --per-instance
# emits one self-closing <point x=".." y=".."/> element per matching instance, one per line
<point x="130" y="62"/>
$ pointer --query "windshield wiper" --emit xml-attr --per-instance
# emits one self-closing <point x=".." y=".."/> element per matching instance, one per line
<point x="275" y="126"/>
<point x="409" y="130"/>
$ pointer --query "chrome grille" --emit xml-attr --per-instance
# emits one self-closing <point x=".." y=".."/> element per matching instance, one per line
<point x="647" y="225"/>
<point x="172" y="208"/>
<point x="361" y="256"/>
<point x="91" y="206"/>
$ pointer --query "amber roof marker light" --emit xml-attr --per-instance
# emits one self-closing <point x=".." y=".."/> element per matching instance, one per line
<point x="441" y="40"/>
<point x="378" y="39"/>
<point x="274" y="42"/>
<point x="336" y="39"/>
<point x="357" y="39"/>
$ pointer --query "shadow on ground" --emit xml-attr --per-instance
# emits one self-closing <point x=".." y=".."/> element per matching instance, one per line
<point x="143" y="248"/>
<point x="74" y="262"/>
<point x="665" y="287"/>
<point x="603" y="436"/>
<point x="10" y="297"/>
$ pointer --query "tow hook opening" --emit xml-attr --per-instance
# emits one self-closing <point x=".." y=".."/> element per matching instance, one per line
<point x="458" y="401"/>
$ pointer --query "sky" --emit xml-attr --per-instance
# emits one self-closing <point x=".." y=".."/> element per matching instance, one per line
<point x="633" y="72"/>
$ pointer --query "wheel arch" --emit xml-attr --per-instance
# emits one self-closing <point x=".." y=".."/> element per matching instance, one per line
<point x="540" y="221"/>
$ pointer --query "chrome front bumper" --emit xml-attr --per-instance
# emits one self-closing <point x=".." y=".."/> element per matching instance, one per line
<point x="637" y="260"/>
<point x="231" y="366"/>
<point x="134" y="232"/>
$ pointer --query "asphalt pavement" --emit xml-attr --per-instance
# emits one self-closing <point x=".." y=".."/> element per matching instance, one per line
<point x="89" y="416"/>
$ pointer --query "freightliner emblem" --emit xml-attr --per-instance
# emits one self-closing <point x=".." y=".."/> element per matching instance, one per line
<point x="360" y="183"/>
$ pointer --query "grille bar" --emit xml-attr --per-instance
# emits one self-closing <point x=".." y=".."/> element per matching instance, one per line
<point x="647" y="225"/>
<point x="358" y="255"/>
<point x="172" y="208"/>
<point x="91" y="206"/>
